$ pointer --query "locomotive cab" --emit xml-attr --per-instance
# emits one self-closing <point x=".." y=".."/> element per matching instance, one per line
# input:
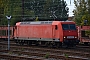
<point x="70" y="35"/>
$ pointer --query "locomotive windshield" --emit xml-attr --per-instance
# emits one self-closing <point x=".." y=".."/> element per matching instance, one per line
<point x="68" y="27"/>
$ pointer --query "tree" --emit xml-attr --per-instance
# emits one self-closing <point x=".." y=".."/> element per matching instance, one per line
<point x="81" y="12"/>
<point x="48" y="9"/>
<point x="58" y="9"/>
<point x="23" y="10"/>
<point x="2" y="7"/>
<point x="12" y="8"/>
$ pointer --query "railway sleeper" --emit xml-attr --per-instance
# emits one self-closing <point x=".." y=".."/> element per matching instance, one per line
<point x="37" y="58"/>
<point x="43" y="54"/>
<point x="11" y="57"/>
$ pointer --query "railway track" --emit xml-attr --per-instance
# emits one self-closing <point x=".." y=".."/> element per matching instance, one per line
<point x="28" y="52"/>
<point x="80" y="48"/>
<point x="13" y="57"/>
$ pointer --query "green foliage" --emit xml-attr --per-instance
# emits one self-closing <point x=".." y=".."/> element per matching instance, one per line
<point x="47" y="55"/>
<point x="82" y="12"/>
<point x="10" y="52"/>
<point x="87" y="33"/>
<point x="12" y="8"/>
<point x="36" y="19"/>
<point x="66" y="55"/>
<point x="48" y="8"/>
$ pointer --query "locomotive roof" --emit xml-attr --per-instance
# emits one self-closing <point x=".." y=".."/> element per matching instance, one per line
<point x="36" y="22"/>
<point x="39" y="22"/>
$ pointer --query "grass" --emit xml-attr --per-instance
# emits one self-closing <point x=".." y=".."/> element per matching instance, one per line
<point x="47" y="55"/>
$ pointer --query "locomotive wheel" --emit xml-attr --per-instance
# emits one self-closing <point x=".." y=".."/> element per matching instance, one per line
<point x="36" y="43"/>
<point x="50" y="45"/>
<point x="65" y="45"/>
<point x="21" y="42"/>
<point x="46" y="44"/>
<point x="17" y="42"/>
<point x="29" y="43"/>
<point x="58" y="45"/>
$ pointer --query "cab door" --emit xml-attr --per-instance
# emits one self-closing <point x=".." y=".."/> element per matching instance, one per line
<point x="55" y="32"/>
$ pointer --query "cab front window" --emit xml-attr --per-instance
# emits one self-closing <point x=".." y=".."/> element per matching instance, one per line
<point x="68" y="26"/>
<point x="65" y="26"/>
<point x="72" y="26"/>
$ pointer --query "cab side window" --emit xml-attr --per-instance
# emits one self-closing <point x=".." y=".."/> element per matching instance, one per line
<point x="56" y="27"/>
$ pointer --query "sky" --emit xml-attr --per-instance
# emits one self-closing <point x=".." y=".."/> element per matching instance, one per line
<point x="70" y="6"/>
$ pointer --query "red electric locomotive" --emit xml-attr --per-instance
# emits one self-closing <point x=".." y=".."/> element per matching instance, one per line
<point x="49" y="33"/>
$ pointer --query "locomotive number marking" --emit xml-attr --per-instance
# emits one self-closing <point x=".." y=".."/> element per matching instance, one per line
<point x="70" y="36"/>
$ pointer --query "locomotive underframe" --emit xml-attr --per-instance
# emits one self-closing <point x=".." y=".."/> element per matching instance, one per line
<point x="46" y="42"/>
<point x="71" y="42"/>
<point x="39" y="42"/>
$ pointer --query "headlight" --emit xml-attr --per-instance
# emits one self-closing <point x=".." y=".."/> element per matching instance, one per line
<point x="75" y="37"/>
<point x="64" y="37"/>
